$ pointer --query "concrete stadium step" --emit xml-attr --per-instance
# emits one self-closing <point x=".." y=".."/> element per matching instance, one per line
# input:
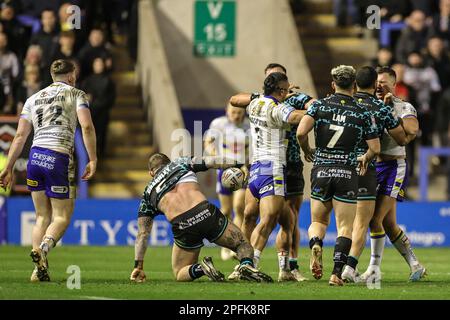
<point x="120" y="190"/>
<point x="130" y="140"/>
<point x="121" y="127"/>
<point x="127" y="114"/>
<point x="121" y="151"/>
<point x="127" y="100"/>
<point x="318" y="6"/>
<point x="123" y="176"/>
<point x="121" y="164"/>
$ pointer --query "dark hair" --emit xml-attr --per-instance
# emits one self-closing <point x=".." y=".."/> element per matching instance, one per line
<point x="157" y="160"/>
<point x="275" y="65"/>
<point x="366" y="77"/>
<point x="67" y="34"/>
<point x="388" y="70"/>
<point x="271" y="82"/>
<point x="61" y="66"/>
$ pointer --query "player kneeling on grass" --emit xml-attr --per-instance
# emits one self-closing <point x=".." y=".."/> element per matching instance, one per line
<point x="174" y="191"/>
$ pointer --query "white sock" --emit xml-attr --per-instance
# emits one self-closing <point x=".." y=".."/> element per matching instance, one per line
<point x="377" y="247"/>
<point x="403" y="245"/>
<point x="283" y="261"/>
<point x="47" y="243"/>
<point x="256" y="257"/>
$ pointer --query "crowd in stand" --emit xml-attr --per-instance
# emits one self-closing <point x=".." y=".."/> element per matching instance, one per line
<point x="33" y="33"/>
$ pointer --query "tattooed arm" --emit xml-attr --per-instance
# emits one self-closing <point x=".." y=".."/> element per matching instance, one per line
<point x="140" y="247"/>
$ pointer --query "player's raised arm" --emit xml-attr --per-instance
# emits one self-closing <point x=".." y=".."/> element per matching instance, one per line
<point x="23" y="131"/>
<point x="89" y="139"/>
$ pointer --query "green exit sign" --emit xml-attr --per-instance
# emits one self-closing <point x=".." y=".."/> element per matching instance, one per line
<point x="215" y="28"/>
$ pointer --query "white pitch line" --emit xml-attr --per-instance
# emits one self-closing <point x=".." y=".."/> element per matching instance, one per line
<point x="98" y="298"/>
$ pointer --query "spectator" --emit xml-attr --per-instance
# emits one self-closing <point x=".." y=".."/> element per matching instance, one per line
<point x="441" y="21"/>
<point x="101" y="91"/>
<point x="443" y="127"/>
<point x="2" y="97"/>
<point x="9" y="70"/>
<point x="425" y="82"/>
<point x="17" y="34"/>
<point x="384" y="58"/>
<point x="413" y="37"/>
<point x="402" y="91"/>
<point x="428" y="7"/>
<point x="346" y="12"/>
<point x="47" y="37"/>
<point x="30" y="85"/>
<point x="394" y="11"/>
<point x="438" y="59"/>
<point x="66" y="49"/>
<point x="94" y="48"/>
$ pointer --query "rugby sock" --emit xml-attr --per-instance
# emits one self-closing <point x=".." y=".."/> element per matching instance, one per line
<point x="377" y="247"/>
<point x="256" y="257"/>
<point x="293" y="264"/>
<point x="352" y="262"/>
<point x="341" y="250"/>
<point x="247" y="261"/>
<point x="47" y="243"/>
<point x="283" y="260"/>
<point x="196" y="271"/>
<point x="403" y="245"/>
<point x="315" y="240"/>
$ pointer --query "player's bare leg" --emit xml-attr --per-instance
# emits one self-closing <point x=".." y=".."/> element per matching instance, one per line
<point x="364" y="213"/>
<point x="284" y="243"/>
<point x="226" y="207"/>
<point x="270" y="208"/>
<point x="43" y="210"/>
<point x="320" y="219"/>
<point x="185" y="264"/>
<point x="345" y="216"/>
<point x="294" y="203"/>
<point x="234" y="239"/>
<point x="377" y="237"/>
<point x="401" y="242"/>
<point x="238" y="207"/>
<point x="251" y="214"/>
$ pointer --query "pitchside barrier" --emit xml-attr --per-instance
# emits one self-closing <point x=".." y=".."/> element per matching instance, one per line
<point x="113" y="222"/>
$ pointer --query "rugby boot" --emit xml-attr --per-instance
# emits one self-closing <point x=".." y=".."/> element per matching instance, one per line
<point x="210" y="271"/>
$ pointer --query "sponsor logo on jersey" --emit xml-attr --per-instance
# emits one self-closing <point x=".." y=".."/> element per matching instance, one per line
<point x="59" y="189"/>
<point x="32" y="183"/>
<point x="266" y="189"/>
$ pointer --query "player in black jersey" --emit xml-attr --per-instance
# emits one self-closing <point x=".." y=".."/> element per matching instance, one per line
<point x="340" y="124"/>
<point x="366" y="83"/>
<point x="174" y="192"/>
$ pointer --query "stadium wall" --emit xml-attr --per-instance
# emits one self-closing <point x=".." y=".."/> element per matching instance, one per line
<point x="113" y="222"/>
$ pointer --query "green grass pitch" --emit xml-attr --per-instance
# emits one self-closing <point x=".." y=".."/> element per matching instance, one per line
<point x="105" y="272"/>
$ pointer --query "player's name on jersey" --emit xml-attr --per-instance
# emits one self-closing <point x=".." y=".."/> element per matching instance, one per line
<point x="339" y="118"/>
<point x="39" y="102"/>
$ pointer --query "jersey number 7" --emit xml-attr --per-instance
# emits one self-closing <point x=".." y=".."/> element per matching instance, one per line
<point x="338" y="132"/>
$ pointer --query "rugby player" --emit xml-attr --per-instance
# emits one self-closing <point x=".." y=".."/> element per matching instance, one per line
<point x="174" y="192"/>
<point x="227" y="136"/>
<point x="340" y="124"/>
<point x="269" y="119"/>
<point x="366" y="83"/>
<point x="392" y="178"/>
<point x="294" y="170"/>
<point x="52" y="113"/>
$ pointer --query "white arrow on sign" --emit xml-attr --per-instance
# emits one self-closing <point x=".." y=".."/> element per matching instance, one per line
<point x="215" y="9"/>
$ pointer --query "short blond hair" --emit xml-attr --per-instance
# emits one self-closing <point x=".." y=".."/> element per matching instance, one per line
<point x="344" y="76"/>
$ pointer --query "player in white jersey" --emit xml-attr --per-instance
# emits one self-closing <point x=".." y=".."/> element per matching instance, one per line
<point x="392" y="178"/>
<point x="269" y="119"/>
<point x="52" y="113"/>
<point x="227" y="136"/>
